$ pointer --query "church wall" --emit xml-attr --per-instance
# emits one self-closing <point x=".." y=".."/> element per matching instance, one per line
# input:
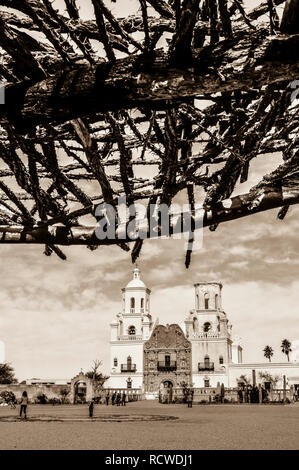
<point x="121" y="350"/>
<point x="132" y="320"/>
<point x="212" y="348"/>
<point x="236" y="354"/>
<point x="291" y="371"/>
<point x="198" y="380"/>
<point x="120" y="380"/>
<point x="206" y="316"/>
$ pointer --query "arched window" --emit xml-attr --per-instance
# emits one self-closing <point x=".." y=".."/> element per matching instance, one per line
<point x="129" y="383"/>
<point x="206" y="301"/>
<point x="132" y="330"/>
<point x="207" y="361"/>
<point x="216" y="301"/>
<point x="129" y="363"/>
<point x="197" y="302"/>
<point x="207" y="382"/>
<point x="220" y="359"/>
<point x="206" y="327"/>
<point x="195" y="325"/>
<point x="142" y="304"/>
<point x="115" y="362"/>
<point x="132" y="302"/>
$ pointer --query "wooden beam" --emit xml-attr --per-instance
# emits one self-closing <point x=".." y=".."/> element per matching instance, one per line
<point x="129" y="83"/>
<point x="230" y="209"/>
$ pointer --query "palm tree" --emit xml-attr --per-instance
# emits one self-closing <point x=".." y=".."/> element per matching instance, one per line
<point x="286" y="347"/>
<point x="268" y="352"/>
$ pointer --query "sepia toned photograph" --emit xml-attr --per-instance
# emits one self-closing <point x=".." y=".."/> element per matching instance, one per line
<point x="149" y="182"/>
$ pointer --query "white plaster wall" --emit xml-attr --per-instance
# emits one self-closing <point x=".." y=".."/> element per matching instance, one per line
<point x="121" y="350"/>
<point x="198" y="379"/>
<point x="207" y="317"/>
<point x="120" y="381"/>
<point x="236" y="354"/>
<point x="291" y="371"/>
<point x="212" y="348"/>
<point x="132" y="320"/>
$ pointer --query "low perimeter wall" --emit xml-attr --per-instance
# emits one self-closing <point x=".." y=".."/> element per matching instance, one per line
<point x="33" y="391"/>
<point x="200" y="395"/>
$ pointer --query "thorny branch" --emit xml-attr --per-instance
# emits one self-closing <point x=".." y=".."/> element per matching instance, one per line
<point x="180" y="96"/>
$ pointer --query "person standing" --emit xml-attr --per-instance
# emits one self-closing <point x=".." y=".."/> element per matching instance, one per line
<point x="91" y="406"/>
<point x="24" y="404"/>
<point x="113" y="398"/>
<point x="123" y="399"/>
<point x="189" y="398"/>
<point x="107" y="398"/>
<point x="118" y="399"/>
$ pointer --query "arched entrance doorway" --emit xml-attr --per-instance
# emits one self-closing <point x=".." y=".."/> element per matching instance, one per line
<point x="165" y="393"/>
<point x="80" y="390"/>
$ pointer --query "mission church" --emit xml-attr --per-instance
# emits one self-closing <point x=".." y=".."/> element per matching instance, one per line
<point x="200" y="352"/>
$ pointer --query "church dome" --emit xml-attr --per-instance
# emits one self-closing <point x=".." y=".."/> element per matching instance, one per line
<point x="136" y="281"/>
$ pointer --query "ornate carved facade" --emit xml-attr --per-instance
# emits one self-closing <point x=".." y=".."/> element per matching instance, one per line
<point x="166" y="358"/>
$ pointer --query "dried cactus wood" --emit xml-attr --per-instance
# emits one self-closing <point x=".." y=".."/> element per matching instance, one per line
<point x="174" y="101"/>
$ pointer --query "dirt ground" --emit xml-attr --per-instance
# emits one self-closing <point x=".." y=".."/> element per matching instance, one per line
<point x="150" y="425"/>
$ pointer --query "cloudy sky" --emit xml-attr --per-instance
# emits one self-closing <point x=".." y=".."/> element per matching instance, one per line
<point x="55" y="315"/>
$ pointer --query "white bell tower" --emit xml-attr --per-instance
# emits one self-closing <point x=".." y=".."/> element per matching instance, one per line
<point x="136" y="296"/>
<point x="208" y="329"/>
<point x="131" y="328"/>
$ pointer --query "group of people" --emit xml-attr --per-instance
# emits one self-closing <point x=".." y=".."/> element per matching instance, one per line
<point x="116" y="399"/>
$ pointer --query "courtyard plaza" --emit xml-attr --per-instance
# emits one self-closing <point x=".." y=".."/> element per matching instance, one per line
<point x="150" y="425"/>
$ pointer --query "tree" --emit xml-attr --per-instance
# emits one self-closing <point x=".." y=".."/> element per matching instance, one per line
<point x="267" y="377"/>
<point x="286" y="348"/>
<point x="42" y="399"/>
<point x="84" y="117"/>
<point x="8" y="397"/>
<point x="7" y="375"/>
<point x="97" y="377"/>
<point x="243" y="379"/>
<point x="268" y="352"/>
<point x="187" y="389"/>
<point x="64" y="393"/>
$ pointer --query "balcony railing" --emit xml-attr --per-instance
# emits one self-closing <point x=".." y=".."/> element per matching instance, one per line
<point x="129" y="337"/>
<point x="128" y="368"/>
<point x="205" y="366"/>
<point x="162" y="365"/>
